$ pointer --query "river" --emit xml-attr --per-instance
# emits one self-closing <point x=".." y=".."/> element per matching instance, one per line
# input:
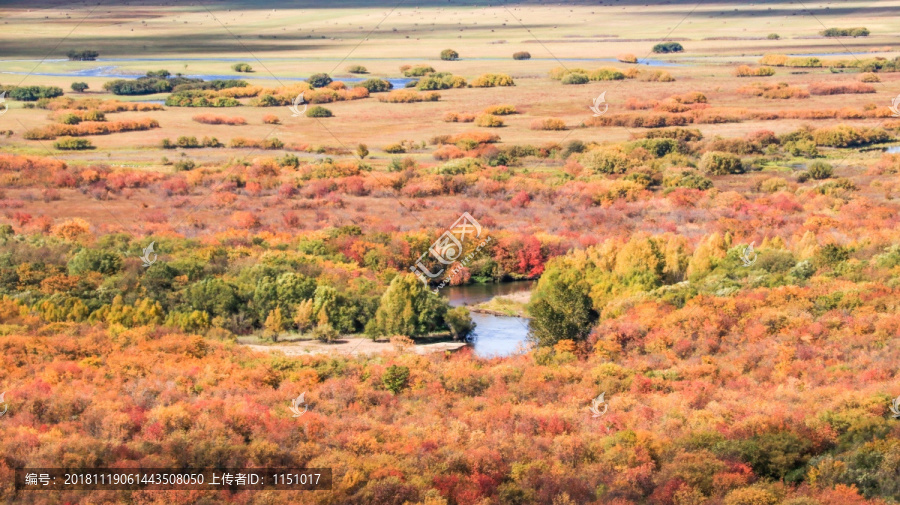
<point x="494" y="336"/>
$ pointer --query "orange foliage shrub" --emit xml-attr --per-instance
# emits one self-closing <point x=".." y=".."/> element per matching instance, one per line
<point x="548" y="124"/>
<point x="408" y="96"/>
<point x="52" y="131"/>
<point x="214" y="119"/>
<point x="458" y="117"/>
<point x="840" y="88"/>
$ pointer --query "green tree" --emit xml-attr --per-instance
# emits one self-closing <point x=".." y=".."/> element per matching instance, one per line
<point x="213" y="296"/>
<point x="319" y="80"/>
<point x="561" y="307"/>
<point x="449" y="55"/>
<point x="407" y="308"/>
<point x="92" y="260"/>
<point x="459" y="321"/>
<point x="79" y="86"/>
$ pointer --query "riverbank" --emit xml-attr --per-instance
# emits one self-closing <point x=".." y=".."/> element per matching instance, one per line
<point x="353" y="347"/>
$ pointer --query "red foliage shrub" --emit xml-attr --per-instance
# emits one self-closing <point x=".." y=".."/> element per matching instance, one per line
<point x="840" y="88"/>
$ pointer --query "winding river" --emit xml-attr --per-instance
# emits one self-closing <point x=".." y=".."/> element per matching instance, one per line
<point x="494" y="336"/>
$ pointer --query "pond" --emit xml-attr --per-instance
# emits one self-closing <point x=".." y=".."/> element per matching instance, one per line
<point x="494" y="336"/>
<point x="892" y="150"/>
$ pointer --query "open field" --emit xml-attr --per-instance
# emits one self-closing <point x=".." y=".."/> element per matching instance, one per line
<point x="198" y="270"/>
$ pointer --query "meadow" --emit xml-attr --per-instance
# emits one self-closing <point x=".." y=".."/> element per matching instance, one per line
<point x="703" y="194"/>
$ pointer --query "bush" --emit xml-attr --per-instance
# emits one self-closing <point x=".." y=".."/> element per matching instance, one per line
<point x="449" y="55"/>
<point x="72" y="144"/>
<point x="82" y="55"/>
<point x="318" y="111"/>
<point x="70" y="119"/>
<point x="491" y="80"/>
<point x="357" y="69"/>
<point x="606" y="74"/>
<point x="575" y="78"/>
<point x="200" y="98"/>
<point x="773" y="36"/>
<point x="325" y="333"/>
<point x="440" y="81"/>
<point x="522" y="55"/>
<point x="849" y="136"/>
<point x="375" y="85"/>
<point x="657" y="76"/>
<point x="548" y="124"/>
<point x="213" y="119"/>
<point x="489" y="121"/>
<point x="271" y="119"/>
<point x="408" y="96"/>
<point x="668" y="47"/>
<point x="501" y="110"/>
<point x="820" y="170"/>
<point x="184" y="165"/>
<point x="868" y="77"/>
<point x="79" y="87"/>
<point x="719" y="163"/>
<point x="845" y="32"/>
<point x="33" y="93"/>
<point x="458" y="117"/>
<point x="417" y="71"/>
<point x="746" y="71"/>
<point x="319" y="80"/>
<point x="838" y="88"/>
<point x="395" y="378"/>
<point x="776" y="60"/>
<point x="395" y="149"/>
<point x="242" y="67"/>
<point x="627" y="58"/>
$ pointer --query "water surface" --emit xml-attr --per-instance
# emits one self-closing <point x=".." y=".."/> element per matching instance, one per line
<point x="494" y="336"/>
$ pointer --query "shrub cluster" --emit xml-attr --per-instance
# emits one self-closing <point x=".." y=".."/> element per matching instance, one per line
<point x="375" y="85"/>
<point x="318" y="111"/>
<point x="242" y="67"/>
<point x="213" y="119"/>
<point x="458" y="117"/>
<point x="840" y="88"/>
<point x="440" y="80"/>
<point x="408" y="96"/>
<point x="522" y="55"/>
<point x="72" y="144"/>
<point x="491" y="80"/>
<point x="551" y="124"/>
<point x="186" y="142"/>
<point x="846" y="32"/>
<point x="488" y="121"/>
<point x="668" y="47"/>
<point x="82" y="55"/>
<point x="746" y="71"/>
<point x="417" y="70"/>
<point x="31" y="93"/>
<point x="500" y="110"/>
<point x="774" y="91"/>
<point x="52" y="131"/>
<point x="268" y="143"/>
<point x="200" y="98"/>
